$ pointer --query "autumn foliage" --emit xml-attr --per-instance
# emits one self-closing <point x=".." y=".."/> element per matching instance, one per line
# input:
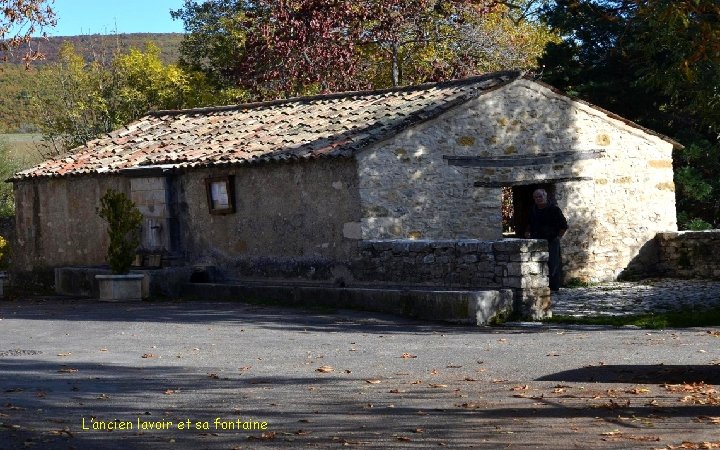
<point x="20" y="19"/>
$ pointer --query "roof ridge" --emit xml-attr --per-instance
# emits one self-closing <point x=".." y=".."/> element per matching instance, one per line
<point x="510" y="74"/>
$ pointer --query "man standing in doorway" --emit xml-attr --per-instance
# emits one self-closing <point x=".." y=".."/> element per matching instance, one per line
<point x="548" y="222"/>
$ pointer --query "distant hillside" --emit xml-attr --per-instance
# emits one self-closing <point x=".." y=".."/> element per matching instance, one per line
<point x="101" y="46"/>
<point x="17" y="84"/>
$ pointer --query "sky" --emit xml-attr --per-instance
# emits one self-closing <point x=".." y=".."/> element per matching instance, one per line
<point x="82" y="17"/>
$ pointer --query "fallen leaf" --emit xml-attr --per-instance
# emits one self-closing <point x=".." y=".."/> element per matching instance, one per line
<point x="708" y="419"/>
<point x="324" y="369"/>
<point x="395" y="391"/>
<point x="416" y="382"/>
<point x="638" y="391"/>
<point x="214" y="376"/>
<point x="714" y="333"/>
<point x="524" y="387"/>
<point x="433" y="372"/>
<point x="407" y="355"/>
<point x="149" y="355"/>
<point x="469" y="379"/>
<point x="438" y="385"/>
<point x="67" y="370"/>
<point x="265" y="436"/>
<point x="170" y="391"/>
<point x="404" y="439"/>
<point x="453" y="366"/>
<point x="418" y="430"/>
<point x="470" y="405"/>
<point x="498" y="380"/>
<point x="373" y="381"/>
<point x="103" y="349"/>
<point x="64" y="354"/>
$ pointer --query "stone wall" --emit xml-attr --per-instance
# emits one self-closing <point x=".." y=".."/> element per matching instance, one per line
<point x="689" y="254"/>
<point x="517" y="264"/>
<point x="291" y="219"/>
<point x="57" y="223"/>
<point x="442" y="179"/>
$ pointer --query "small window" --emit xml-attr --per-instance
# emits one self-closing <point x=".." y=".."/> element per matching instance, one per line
<point x="220" y="195"/>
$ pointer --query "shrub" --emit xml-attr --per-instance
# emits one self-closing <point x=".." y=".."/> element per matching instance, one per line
<point x="124" y="221"/>
<point x="4" y="254"/>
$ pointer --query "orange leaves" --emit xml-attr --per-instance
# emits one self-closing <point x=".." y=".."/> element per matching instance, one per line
<point x="697" y="393"/>
<point x="617" y="436"/>
<point x="708" y="420"/>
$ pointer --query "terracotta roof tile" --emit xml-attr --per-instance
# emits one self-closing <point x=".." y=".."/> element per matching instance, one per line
<point x="325" y="126"/>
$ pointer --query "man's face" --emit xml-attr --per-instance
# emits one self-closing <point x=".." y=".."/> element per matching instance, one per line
<point x="540" y="199"/>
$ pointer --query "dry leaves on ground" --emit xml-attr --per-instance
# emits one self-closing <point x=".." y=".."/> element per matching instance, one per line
<point x="691" y="445"/>
<point x="408" y="356"/>
<point x="325" y="369"/>
<point x="708" y="419"/>
<point x="265" y="436"/>
<point x="697" y="393"/>
<point x="618" y="436"/>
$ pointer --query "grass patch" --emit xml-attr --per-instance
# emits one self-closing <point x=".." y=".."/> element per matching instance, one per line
<point x="575" y="283"/>
<point x="674" y="319"/>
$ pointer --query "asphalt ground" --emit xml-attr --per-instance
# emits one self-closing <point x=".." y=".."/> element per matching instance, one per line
<point x="212" y="375"/>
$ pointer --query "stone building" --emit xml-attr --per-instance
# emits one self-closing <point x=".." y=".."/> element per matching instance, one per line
<point x="291" y="188"/>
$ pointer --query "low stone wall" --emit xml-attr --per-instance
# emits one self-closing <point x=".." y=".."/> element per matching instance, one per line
<point x="689" y="254"/>
<point x="517" y="264"/>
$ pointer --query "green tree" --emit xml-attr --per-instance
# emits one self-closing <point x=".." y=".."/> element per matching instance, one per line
<point x="8" y="166"/>
<point x="656" y="62"/>
<point x="75" y="101"/>
<point x="79" y="100"/>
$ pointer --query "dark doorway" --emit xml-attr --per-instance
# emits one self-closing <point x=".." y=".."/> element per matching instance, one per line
<point x="517" y="201"/>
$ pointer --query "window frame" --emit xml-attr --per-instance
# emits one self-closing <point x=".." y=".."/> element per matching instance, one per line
<point x="228" y="181"/>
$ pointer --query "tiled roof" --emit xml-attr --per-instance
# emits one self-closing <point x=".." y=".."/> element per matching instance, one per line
<point x="332" y="125"/>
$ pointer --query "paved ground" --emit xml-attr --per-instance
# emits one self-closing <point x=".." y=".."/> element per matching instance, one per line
<point x="346" y="379"/>
<point x="638" y="297"/>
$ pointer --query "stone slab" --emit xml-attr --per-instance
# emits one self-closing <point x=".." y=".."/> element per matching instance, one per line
<point x="457" y="306"/>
